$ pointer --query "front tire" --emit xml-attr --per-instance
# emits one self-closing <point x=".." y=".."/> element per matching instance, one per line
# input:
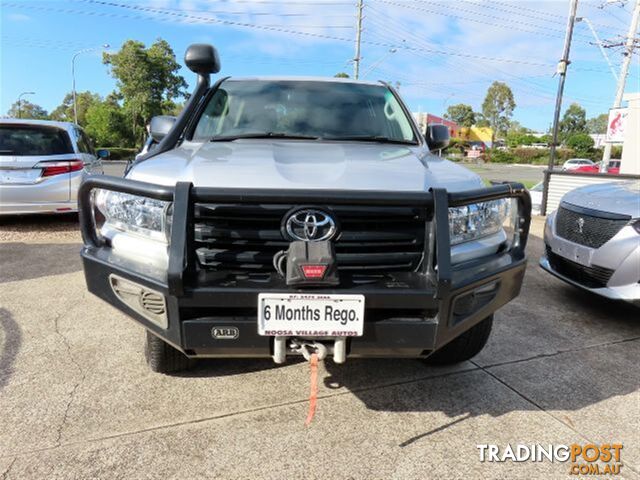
<point x="466" y="346"/>
<point x="163" y="358"/>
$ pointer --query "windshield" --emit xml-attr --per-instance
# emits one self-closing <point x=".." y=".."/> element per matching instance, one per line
<point x="23" y="140"/>
<point x="304" y="109"/>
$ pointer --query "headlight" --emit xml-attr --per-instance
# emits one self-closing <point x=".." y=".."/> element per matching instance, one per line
<point x="477" y="220"/>
<point x="132" y="213"/>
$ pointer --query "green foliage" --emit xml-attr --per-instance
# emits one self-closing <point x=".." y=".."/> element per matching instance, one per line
<point x="105" y="124"/>
<point x="462" y="114"/>
<point x="26" y="109"/>
<point x="84" y="100"/>
<point x="456" y="145"/>
<point x="146" y="79"/>
<point x="519" y="139"/>
<point x="598" y="124"/>
<point x="616" y="152"/>
<point x="494" y="155"/>
<point x="573" y="121"/>
<point x="341" y="75"/>
<point x="498" y="107"/>
<point x="536" y="156"/>
<point x="582" y="143"/>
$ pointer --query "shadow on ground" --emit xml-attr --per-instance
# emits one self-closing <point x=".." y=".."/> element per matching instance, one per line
<point x="41" y="223"/>
<point x="11" y="335"/>
<point x="25" y="261"/>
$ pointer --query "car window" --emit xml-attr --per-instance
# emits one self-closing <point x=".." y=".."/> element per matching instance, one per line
<point x="22" y="140"/>
<point x="537" y="188"/>
<point x="84" y="145"/>
<point x="87" y="141"/>
<point x="303" y="108"/>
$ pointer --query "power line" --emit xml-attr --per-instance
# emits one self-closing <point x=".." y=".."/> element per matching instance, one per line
<point x="196" y="19"/>
<point x="518" y="8"/>
<point x="397" y="30"/>
<point x="509" y="26"/>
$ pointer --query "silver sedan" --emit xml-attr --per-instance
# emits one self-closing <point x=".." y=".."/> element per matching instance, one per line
<point x="593" y="240"/>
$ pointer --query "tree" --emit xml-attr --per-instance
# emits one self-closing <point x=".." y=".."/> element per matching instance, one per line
<point x="582" y="143"/>
<point x="146" y="79"/>
<point x="84" y="100"/>
<point x="105" y="124"/>
<point x="573" y="121"/>
<point x="26" y="109"/>
<point x="461" y="114"/>
<point x="598" y="124"/>
<point x="341" y="75"/>
<point x="497" y="108"/>
<point x="481" y="121"/>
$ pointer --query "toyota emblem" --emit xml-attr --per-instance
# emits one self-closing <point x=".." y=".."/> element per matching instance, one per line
<point x="310" y="226"/>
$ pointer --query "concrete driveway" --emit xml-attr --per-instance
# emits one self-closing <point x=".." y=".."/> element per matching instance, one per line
<point x="77" y="400"/>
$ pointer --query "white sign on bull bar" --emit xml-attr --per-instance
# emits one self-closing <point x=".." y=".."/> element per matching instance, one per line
<point x="616" y="125"/>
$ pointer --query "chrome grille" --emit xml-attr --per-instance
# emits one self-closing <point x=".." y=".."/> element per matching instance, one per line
<point x="591" y="277"/>
<point x="244" y="238"/>
<point x="589" y="230"/>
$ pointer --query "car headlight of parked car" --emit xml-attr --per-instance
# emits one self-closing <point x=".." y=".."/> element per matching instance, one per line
<point x="142" y="216"/>
<point x="477" y="220"/>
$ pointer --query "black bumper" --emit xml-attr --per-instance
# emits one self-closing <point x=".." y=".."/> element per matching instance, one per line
<point x="406" y="315"/>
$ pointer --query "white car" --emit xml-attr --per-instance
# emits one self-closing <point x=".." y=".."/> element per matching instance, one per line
<point x="536" y="198"/>
<point x="573" y="163"/>
<point x="42" y="164"/>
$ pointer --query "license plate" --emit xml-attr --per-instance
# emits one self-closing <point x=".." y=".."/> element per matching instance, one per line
<point x="29" y="175"/>
<point x="310" y="315"/>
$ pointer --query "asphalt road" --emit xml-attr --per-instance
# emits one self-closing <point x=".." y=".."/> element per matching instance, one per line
<point x="77" y="399"/>
<point x="507" y="172"/>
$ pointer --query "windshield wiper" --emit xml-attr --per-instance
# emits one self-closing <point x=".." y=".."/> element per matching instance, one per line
<point x="372" y="138"/>
<point x="230" y="138"/>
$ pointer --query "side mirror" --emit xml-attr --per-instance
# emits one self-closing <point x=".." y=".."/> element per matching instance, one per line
<point x="103" y="153"/>
<point x="437" y="137"/>
<point x="160" y="126"/>
<point x="202" y="59"/>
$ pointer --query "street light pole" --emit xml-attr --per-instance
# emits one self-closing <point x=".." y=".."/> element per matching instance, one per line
<point x="599" y="43"/>
<point x="20" y="102"/>
<point x="379" y="61"/>
<point x="562" y="71"/>
<point x="73" y="77"/>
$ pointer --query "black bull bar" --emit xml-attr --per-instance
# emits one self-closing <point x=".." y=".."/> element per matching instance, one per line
<point x="436" y="287"/>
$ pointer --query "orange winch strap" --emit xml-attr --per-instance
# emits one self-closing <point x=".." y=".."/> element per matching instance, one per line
<point x="313" y="396"/>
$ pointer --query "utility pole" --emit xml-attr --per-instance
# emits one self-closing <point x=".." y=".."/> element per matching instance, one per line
<point x="622" y="79"/>
<point x="356" y="59"/>
<point x="562" y="71"/>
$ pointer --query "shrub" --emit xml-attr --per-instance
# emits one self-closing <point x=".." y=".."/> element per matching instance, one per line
<point x="499" y="156"/>
<point x="456" y="145"/>
<point x="582" y="143"/>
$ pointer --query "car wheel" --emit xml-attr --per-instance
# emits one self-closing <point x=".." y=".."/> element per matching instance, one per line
<point x="466" y="346"/>
<point x="163" y="358"/>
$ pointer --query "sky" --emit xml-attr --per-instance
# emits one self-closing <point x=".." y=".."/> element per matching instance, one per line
<point x="439" y="52"/>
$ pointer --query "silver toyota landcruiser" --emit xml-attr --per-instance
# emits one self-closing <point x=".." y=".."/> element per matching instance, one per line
<point x="282" y="217"/>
